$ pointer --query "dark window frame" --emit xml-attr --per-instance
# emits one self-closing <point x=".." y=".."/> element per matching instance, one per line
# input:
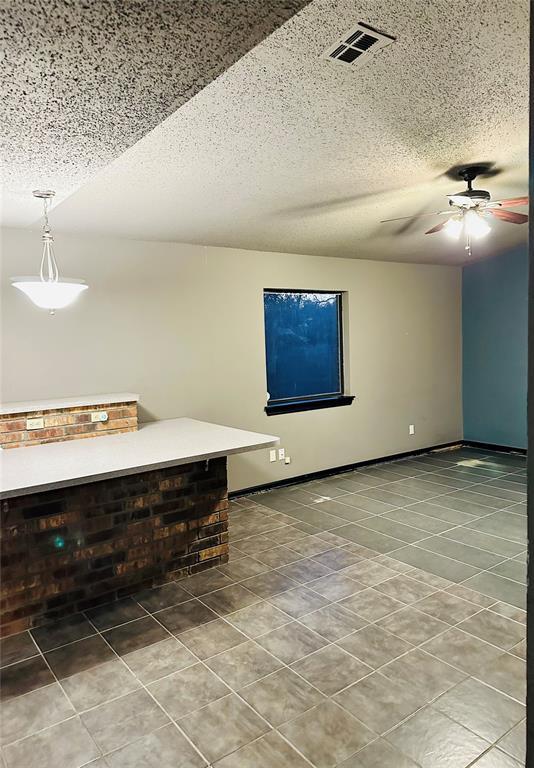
<point x="313" y="402"/>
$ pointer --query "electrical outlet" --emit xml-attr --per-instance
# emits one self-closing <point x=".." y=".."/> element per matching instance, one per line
<point x="99" y="416"/>
<point x="281" y="453"/>
<point x="412" y="429"/>
<point x="287" y="460"/>
<point x="37" y="423"/>
<point x="272" y="455"/>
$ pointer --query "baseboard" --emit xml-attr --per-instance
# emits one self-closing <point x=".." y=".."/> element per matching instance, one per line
<point x="493" y="447"/>
<point x="322" y="473"/>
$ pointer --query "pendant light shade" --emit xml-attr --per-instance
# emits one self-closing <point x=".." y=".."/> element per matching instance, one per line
<point x="48" y="290"/>
<point x="49" y="295"/>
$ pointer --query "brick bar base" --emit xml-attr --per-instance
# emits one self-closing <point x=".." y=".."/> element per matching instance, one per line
<point x="70" y="549"/>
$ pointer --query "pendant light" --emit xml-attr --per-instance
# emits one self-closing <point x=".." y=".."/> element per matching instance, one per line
<point x="47" y="290"/>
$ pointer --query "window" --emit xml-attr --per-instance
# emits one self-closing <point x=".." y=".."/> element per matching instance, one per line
<point x="304" y="350"/>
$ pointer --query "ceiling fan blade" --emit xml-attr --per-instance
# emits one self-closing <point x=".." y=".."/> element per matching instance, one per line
<point x="510" y="216"/>
<point x="437" y="228"/>
<point x="512" y="201"/>
<point x="416" y="216"/>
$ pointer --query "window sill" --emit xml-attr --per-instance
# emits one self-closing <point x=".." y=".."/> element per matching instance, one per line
<point x="308" y="405"/>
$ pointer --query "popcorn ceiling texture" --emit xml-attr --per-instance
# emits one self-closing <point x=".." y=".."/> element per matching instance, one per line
<point x="84" y="80"/>
<point x="289" y="152"/>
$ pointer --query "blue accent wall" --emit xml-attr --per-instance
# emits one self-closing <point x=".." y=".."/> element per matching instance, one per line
<point x="494" y="329"/>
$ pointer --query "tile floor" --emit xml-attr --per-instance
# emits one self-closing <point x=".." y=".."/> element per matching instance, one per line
<point x="374" y="619"/>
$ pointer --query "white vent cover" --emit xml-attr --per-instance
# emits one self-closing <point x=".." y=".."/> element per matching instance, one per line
<point x="356" y="45"/>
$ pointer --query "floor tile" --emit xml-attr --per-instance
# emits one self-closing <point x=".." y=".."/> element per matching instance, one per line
<point x="327" y="734"/>
<point x="471" y="596"/>
<point x="313" y="515"/>
<point x="116" y="723"/>
<point x="214" y="637"/>
<point x="255" y="544"/>
<point x="305" y="570"/>
<point x="17" y="648"/>
<point x="371" y="605"/>
<point x="61" y="632"/>
<point x="405" y="589"/>
<point x="510" y="611"/>
<point x="135" y="635"/>
<point x="417" y="520"/>
<point x="379" y="754"/>
<point x="495" y="524"/>
<point x="298" y="602"/>
<point x="185" y="616"/>
<point x="313" y="545"/>
<point x="430" y="579"/>
<point x="507" y="673"/>
<point x="374" y="646"/>
<point x="258" y="619"/>
<point x="291" y="642"/>
<point x="269" y="584"/>
<point x="481" y="709"/>
<point x="479" y="558"/>
<point x="498" y="587"/>
<point x="230" y="599"/>
<point x="336" y="559"/>
<point x="162" y="597"/>
<point x="433" y="740"/>
<point x="495" y="629"/>
<point x="368" y="538"/>
<point x="94" y="686"/>
<point x="223" y="727"/>
<point x="188" y="690"/>
<point x="113" y="614"/>
<point x="429" y="676"/>
<point x="412" y="625"/>
<point x="451" y="516"/>
<point x="495" y="544"/>
<point x="512" y="569"/>
<point x="164" y="748"/>
<point x="331" y="669"/>
<point x="205" y="582"/>
<point x="514" y="743"/>
<point x="281" y="696"/>
<point x="243" y="568"/>
<point x="436" y="563"/>
<point x="379" y="703"/>
<point x="370" y="573"/>
<point x="447" y="607"/>
<point x="395" y="529"/>
<point x="461" y="650"/>
<point x="23" y="677"/>
<point x="335" y="586"/>
<point x="333" y="622"/>
<point x="24" y="715"/>
<point x="66" y="745"/>
<point x="495" y="758"/>
<point x="158" y="660"/>
<point x="367" y="504"/>
<point x="243" y="665"/>
<point x="269" y="751"/>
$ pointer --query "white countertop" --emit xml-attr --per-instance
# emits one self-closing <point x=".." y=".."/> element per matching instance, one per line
<point x="67" y="402"/>
<point x="155" y="445"/>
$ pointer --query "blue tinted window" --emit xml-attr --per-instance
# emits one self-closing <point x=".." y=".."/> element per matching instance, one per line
<point x="303" y="344"/>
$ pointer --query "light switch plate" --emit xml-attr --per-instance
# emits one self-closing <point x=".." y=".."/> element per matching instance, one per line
<point x="37" y="423"/>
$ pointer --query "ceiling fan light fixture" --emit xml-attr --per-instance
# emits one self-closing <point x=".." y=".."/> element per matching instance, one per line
<point x="454" y="227"/>
<point x="475" y="225"/>
<point x="48" y="290"/>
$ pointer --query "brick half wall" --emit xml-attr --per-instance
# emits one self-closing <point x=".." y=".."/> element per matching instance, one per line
<point x="73" y="548"/>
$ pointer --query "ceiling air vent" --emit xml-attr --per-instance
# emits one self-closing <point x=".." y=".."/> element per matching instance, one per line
<point x="356" y="44"/>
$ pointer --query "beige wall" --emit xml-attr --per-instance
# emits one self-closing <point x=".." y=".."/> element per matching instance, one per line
<point x="183" y="326"/>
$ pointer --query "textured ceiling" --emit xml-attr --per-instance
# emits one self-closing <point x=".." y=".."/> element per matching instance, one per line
<point x="83" y="80"/>
<point x="286" y="151"/>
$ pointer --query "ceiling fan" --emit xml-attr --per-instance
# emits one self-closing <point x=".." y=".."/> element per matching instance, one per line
<point x="471" y="209"/>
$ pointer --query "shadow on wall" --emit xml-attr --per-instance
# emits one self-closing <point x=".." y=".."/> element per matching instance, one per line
<point x="494" y="331"/>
